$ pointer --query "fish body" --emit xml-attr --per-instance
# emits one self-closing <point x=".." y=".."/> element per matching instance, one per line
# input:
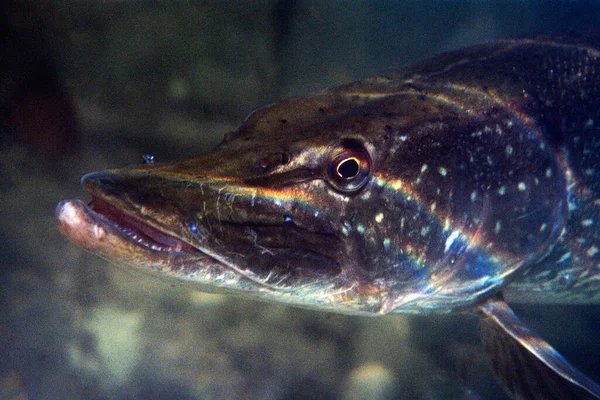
<point x="439" y="187"/>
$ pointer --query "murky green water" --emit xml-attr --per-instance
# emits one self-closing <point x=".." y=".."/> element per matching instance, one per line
<point x="95" y="84"/>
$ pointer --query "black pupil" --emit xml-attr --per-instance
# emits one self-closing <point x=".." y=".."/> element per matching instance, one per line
<point x="348" y="168"/>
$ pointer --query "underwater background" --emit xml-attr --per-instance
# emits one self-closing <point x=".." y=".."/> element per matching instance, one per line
<point x="94" y="84"/>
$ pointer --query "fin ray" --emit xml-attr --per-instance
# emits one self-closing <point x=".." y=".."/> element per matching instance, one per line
<point x="528" y="366"/>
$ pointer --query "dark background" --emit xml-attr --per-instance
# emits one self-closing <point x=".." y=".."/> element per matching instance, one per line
<point x="94" y="84"/>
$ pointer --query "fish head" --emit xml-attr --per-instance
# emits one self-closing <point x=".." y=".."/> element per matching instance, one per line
<point x="355" y="200"/>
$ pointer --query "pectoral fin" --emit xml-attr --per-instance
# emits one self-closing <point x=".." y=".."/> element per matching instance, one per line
<point x="527" y="365"/>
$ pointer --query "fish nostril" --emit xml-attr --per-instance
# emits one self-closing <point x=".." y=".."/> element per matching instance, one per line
<point x="264" y="163"/>
<point x="273" y="160"/>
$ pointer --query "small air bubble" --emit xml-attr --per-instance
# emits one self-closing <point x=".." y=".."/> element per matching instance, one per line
<point x="148" y="158"/>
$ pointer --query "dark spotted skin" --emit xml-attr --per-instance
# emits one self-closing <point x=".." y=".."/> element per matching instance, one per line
<point x="548" y="89"/>
<point x="554" y="85"/>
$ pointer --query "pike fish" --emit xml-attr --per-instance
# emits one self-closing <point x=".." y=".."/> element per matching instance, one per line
<point x="462" y="183"/>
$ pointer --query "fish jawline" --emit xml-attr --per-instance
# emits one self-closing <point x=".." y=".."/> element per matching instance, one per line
<point x="137" y="229"/>
<point x="152" y="251"/>
<point x="117" y="237"/>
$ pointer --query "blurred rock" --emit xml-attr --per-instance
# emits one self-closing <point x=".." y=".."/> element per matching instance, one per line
<point x="169" y="79"/>
<point x="371" y="381"/>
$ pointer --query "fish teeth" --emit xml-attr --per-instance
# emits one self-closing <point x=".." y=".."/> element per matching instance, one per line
<point x="144" y="242"/>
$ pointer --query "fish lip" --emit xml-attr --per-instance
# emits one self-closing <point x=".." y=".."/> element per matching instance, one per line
<point x="96" y="231"/>
<point x="138" y="229"/>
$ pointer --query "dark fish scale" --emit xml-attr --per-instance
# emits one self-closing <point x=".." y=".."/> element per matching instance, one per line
<point x="550" y="83"/>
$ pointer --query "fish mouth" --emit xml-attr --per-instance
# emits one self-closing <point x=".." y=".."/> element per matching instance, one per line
<point x="104" y="229"/>
<point x="138" y="230"/>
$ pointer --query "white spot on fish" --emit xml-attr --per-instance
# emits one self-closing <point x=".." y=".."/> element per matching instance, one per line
<point x="590" y="172"/>
<point x="443" y="171"/>
<point x="366" y="195"/>
<point x="360" y="228"/>
<point x="386" y="243"/>
<point x="345" y="231"/>
<point x="474" y="195"/>
<point x="543" y="227"/>
<point x="450" y="240"/>
<point x="490" y="161"/>
<point x="424" y="231"/>
<point x="502" y="190"/>
<point x="587" y="222"/>
<point x="564" y="257"/>
<point x="522" y="186"/>
<point x="403" y="138"/>
<point x="432" y="206"/>
<point x="498" y="227"/>
<point x="99" y="232"/>
<point x="549" y="173"/>
<point x="379" y="217"/>
<point x="592" y="251"/>
<point x="509" y="150"/>
<point x="423" y="168"/>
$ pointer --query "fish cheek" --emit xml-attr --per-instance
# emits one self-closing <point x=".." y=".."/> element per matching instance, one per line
<point x="382" y="241"/>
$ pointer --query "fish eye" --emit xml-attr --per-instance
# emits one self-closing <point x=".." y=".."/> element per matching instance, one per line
<point x="349" y="168"/>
